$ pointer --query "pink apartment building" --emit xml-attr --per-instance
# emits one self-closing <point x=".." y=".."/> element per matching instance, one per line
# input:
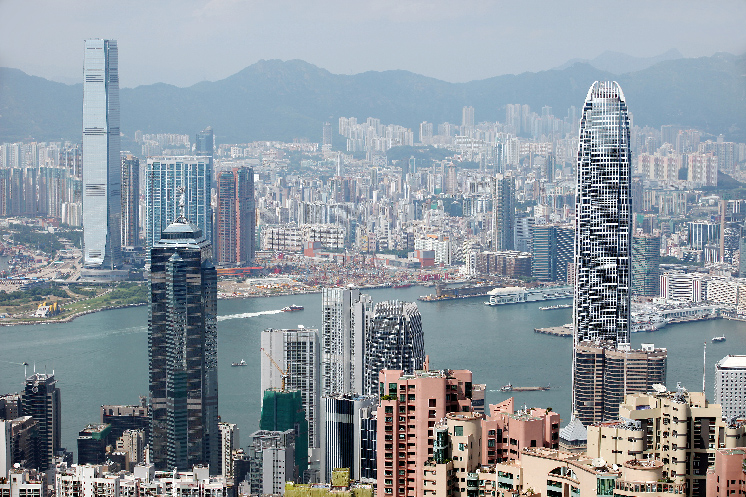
<point x="415" y="407"/>
<point x="728" y="475"/>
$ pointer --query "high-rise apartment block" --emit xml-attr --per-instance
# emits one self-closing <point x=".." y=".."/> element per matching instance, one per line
<point x="229" y="443"/>
<point x="164" y="178"/>
<point x="130" y="201"/>
<point x="605" y="373"/>
<point x="272" y="461"/>
<point x="41" y="400"/>
<point x="646" y="251"/>
<point x="730" y="386"/>
<point x="291" y="359"/>
<point x="503" y="212"/>
<point x="236" y="217"/>
<point x="680" y="429"/>
<point x="102" y="209"/>
<point x="182" y="356"/>
<point x="409" y="408"/>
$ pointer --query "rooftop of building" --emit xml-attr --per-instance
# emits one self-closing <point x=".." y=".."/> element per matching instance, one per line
<point x="441" y="373"/>
<point x="574" y="431"/>
<point x="95" y="428"/>
<point x="732" y="362"/>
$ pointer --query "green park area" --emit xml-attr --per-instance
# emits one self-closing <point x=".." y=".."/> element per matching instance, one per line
<point x="20" y="306"/>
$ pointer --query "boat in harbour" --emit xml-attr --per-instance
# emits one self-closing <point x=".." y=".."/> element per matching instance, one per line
<point x="721" y="338"/>
<point x="292" y="308"/>
<point x="558" y="306"/>
<point x="510" y="388"/>
<point x="239" y="363"/>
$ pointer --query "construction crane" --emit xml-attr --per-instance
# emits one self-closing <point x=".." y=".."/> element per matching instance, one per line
<point x="284" y="374"/>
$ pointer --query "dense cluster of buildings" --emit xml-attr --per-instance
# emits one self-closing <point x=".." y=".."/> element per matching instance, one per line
<point x="536" y="197"/>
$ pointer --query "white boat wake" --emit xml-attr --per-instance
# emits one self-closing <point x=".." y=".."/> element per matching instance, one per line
<point x="249" y="314"/>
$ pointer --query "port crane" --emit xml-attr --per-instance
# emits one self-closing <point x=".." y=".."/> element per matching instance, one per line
<point x="284" y="374"/>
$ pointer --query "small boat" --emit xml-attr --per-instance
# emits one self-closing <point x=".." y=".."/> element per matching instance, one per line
<point x="507" y="388"/>
<point x="292" y="308"/>
<point x="721" y="338"/>
<point x="240" y="363"/>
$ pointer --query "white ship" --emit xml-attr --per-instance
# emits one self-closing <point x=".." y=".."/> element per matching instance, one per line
<point x="518" y="295"/>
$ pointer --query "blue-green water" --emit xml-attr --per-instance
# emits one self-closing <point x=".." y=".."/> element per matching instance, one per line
<point x="102" y="358"/>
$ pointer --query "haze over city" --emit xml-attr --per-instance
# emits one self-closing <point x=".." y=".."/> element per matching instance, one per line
<point x="308" y="249"/>
<point x="184" y="42"/>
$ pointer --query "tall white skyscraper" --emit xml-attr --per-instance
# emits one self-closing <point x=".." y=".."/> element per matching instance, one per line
<point x="294" y="355"/>
<point x="345" y="316"/>
<point x="602" y="361"/>
<point x="603" y="221"/>
<point x="163" y="178"/>
<point x="102" y="209"/>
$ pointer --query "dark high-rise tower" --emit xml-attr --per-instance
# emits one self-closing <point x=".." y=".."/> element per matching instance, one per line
<point x="182" y="338"/>
<point x="41" y="400"/>
<point x="503" y="212"/>
<point x="130" y="201"/>
<point x="236" y="217"/>
<point x="205" y="143"/>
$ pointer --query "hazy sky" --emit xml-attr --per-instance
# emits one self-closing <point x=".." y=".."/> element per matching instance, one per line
<point x="185" y="41"/>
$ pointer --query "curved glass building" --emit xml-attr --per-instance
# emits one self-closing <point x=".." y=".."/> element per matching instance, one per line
<point x="603" y="218"/>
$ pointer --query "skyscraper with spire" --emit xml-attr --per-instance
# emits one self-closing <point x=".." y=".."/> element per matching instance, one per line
<point x="604" y="367"/>
<point x="182" y="356"/>
<point x="102" y="176"/>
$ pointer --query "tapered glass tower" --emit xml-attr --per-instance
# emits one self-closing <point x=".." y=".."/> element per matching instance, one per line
<point x="102" y="208"/>
<point x="603" y="218"/>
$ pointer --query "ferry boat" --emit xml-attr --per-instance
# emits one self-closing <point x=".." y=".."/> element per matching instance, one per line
<point x="552" y="307"/>
<point x="292" y="308"/>
<point x="721" y="338"/>
<point x="239" y="363"/>
<point x="518" y="295"/>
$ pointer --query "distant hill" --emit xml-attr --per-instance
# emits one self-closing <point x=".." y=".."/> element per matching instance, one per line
<point x="621" y="63"/>
<point x="280" y="100"/>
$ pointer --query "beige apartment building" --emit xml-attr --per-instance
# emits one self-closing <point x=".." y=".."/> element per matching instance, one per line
<point x="680" y="429"/>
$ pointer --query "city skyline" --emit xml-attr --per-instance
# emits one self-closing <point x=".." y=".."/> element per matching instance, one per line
<point x="432" y="36"/>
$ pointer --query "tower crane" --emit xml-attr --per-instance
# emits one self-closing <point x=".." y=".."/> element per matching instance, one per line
<point x="284" y="374"/>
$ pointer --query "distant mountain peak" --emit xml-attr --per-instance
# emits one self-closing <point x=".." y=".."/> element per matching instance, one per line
<point x="621" y="63"/>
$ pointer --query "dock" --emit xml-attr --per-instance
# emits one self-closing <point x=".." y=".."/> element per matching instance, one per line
<point x="558" y="331"/>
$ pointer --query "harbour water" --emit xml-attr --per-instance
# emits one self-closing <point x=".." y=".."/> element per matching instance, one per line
<point x="102" y="358"/>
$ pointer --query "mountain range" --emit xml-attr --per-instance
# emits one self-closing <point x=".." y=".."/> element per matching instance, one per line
<point x="282" y="100"/>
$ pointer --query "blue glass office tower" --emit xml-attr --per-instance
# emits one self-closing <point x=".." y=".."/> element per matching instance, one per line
<point x="163" y="177"/>
<point x="102" y="208"/>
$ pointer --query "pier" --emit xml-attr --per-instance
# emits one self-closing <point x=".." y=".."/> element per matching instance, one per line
<point x="558" y="331"/>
